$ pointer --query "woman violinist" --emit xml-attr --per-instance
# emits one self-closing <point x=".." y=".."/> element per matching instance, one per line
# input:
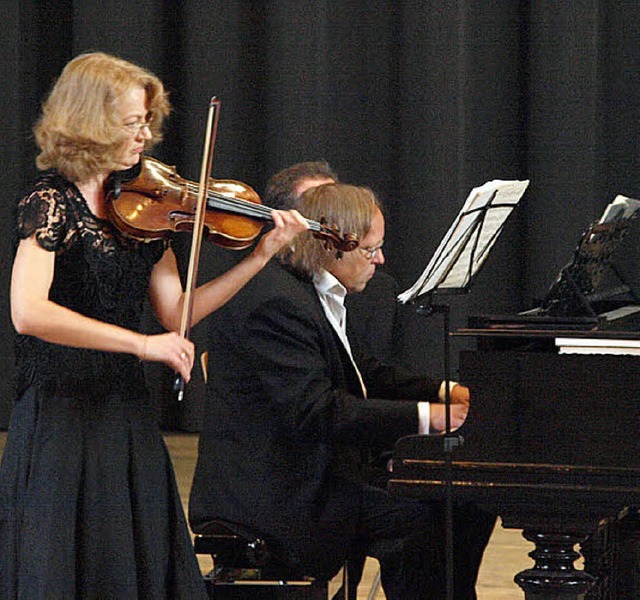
<point x="89" y="507"/>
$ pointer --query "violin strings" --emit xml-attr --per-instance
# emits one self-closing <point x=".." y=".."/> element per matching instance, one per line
<point x="244" y="207"/>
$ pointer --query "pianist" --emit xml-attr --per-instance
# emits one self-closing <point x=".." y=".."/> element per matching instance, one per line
<point x="374" y="329"/>
<point x="374" y="323"/>
<point x="287" y="428"/>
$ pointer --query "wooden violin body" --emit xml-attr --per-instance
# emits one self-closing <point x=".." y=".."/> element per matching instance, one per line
<point x="159" y="201"/>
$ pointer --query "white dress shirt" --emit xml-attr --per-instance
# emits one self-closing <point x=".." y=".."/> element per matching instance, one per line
<point x="332" y="294"/>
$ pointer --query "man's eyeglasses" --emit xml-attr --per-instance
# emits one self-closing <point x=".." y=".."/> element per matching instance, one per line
<point x="135" y="128"/>
<point x="370" y="253"/>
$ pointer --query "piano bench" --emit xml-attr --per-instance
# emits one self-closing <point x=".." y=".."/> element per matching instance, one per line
<point x="243" y="568"/>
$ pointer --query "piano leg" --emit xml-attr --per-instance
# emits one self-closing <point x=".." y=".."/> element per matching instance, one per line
<point x="612" y="554"/>
<point x="628" y="555"/>
<point x="553" y="575"/>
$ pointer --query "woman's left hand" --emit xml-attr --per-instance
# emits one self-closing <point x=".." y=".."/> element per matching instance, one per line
<point x="287" y="224"/>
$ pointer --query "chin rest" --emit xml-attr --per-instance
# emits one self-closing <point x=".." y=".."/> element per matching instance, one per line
<point x="243" y="567"/>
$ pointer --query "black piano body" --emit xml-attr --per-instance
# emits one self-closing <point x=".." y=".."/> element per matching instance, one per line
<point x="552" y="445"/>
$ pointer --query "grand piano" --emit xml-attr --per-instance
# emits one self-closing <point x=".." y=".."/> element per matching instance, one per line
<point x="551" y="443"/>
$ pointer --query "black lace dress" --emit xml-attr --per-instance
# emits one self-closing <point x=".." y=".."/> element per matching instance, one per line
<point x="89" y="506"/>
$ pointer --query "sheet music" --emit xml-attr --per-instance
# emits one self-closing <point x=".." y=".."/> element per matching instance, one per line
<point x="622" y="208"/>
<point x="467" y="243"/>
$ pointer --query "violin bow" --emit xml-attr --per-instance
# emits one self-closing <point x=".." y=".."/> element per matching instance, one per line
<point x="198" y="228"/>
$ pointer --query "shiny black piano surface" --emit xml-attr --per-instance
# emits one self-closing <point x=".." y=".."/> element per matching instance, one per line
<point x="552" y="445"/>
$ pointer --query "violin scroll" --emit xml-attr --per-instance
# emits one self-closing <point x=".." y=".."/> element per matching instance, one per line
<point x="332" y="238"/>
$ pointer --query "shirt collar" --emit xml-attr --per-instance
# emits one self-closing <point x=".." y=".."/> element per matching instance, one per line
<point x="327" y="284"/>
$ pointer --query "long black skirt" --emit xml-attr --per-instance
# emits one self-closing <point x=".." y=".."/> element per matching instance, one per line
<point x="89" y="506"/>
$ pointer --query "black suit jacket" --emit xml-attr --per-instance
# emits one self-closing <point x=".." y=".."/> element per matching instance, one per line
<point x="286" y="429"/>
<point x="374" y="325"/>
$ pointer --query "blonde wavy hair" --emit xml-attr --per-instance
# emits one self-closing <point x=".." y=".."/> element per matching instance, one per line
<point x="347" y="208"/>
<point x="80" y="131"/>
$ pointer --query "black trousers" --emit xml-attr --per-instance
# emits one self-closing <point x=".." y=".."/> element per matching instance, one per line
<point x="408" y="538"/>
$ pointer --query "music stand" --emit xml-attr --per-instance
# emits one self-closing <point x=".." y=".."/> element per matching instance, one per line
<point x="456" y="262"/>
<point x="591" y="283"/>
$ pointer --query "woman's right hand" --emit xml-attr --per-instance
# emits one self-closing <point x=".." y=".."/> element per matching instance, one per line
<point x="171" y="349"/>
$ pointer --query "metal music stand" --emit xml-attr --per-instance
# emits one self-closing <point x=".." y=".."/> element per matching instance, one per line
<point x="451" y="271"/>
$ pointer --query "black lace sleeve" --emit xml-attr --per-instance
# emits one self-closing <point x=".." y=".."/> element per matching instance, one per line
<point x="42" y="212"/>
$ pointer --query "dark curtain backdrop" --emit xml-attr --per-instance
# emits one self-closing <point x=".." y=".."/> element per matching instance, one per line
<point x="421" y="100"/>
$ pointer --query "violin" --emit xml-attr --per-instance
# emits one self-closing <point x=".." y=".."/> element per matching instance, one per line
<point x="158" y="201"/>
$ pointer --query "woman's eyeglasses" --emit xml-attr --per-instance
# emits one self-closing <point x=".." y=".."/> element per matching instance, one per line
<point x="135" y="128"/>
